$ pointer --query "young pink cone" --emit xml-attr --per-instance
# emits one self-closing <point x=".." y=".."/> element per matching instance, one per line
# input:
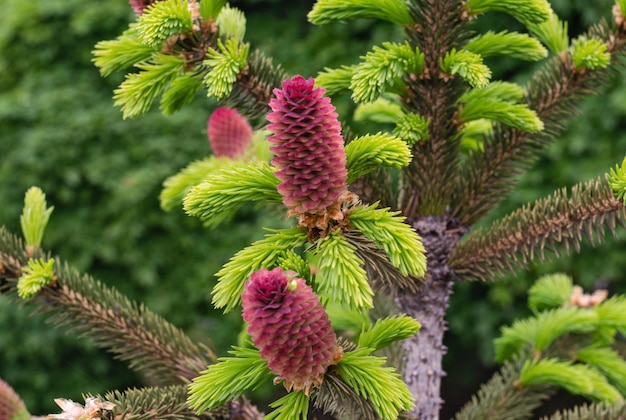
<point x="230" y="134"/>
<point x="308" y="147"/>
<point x="290" y="328"/>
<point x="11" y="405"/>
<point x="139" y="5"/>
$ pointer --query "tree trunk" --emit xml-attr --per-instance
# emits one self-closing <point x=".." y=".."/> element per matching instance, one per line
<point x="424" y="352"/>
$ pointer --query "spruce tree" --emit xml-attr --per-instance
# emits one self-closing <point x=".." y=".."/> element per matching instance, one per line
<point x="345" y="308"/>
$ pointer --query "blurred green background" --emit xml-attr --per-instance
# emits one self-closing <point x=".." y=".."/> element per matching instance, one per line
<point x="60" y="131"/>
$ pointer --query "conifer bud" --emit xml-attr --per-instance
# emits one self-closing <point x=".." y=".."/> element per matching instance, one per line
<point x="289" y="326"/>
<point x="308" y="146"/>
<point x="230" y="134"/>
<point x="11" y="405"/>
<point x="139" y="5"/>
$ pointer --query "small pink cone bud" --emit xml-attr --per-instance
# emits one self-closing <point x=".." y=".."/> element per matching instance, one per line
<point x="289" y="326"/>
<point x="11" y="406"/>
<point x="139" y="5"/>
<point x="308" y="146"/>
<point x="230" y="134"/>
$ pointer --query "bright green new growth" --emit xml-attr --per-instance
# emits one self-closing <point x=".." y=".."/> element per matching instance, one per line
<point x="121" y="53"/>
<point x="343" y="319"/>
<point x="294" y="262"/>
<point x="411" y="128"/>
<point x="335" y="80"/>
<point x="340" y="275"/>
<point x="383" y="68"/>
<point x="611" y="314"/>
<point x="326" y="11"/>
<point x="380" y="385"/>
<point x="176" y="187"/>
<point x="590" y="54"/>
<point x="514" y="115"/>
<point x="622" y="7"/>
<point x="162" y="20"/>
<point x="606" y="361"/>
<point x="575" y="378"/>
<point x="399" y="240"/>
<point x="225" y="65"/>
<point x="472" y="134"/>
<point x="385" y="109"/>
<point x="223" y="192"/>
<point x="569" y="339"/>
<point x="511" y="44"/>
<point x="35" y="276"/>
<point x="294" y="405"/>
<point x="228" y="379"/>
<point x="35" y="216"/>
<point x="497" y="102"/>
<point x="210" y="9"/>
<point x="388" y="330"/>
<point x="137" y="93"/>
<point x="542" y="330"/>
<point x="180" y="92"/>
<point x="552" y="33"/>
<point x="468" y="65"/>
<point x="525" y="11"/>
<point x="264" y="253"/>
<point x="366" y="153"/>
<point x="616" y="179"/>
<point x="498" y="90"/>
<point x="231" y="23"/>
<point x="549" y="292"/>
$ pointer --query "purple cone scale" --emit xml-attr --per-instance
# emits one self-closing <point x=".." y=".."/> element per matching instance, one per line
<point x="139" y="5"/>
<point x="230" y="134"/>
<point x="290" y="328"/>
<point x="11" y="405"/>
<point x="307" y="145"/>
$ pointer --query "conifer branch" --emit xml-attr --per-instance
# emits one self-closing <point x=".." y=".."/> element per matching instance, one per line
<point x="552" y="32"/>
<point x="121" y="53"/>
<point x="335" y="80"/>
<point x="326" y="11"/>
<point x="597" y="411"/>
<point x="511" y="44"/>
<point x="433" y="171"/>
<point x="553" y="94"/>
<point x="383" y="275"/>
<point x="150" y="344"/>
<point x="225" y="190"/>
<point x="389" y="232"/>
<point x="365" y="153"/>
<point x="167" y="403"/>
<point x="500" y="398"/>
<point x="340" y="276"/>
<point x="382" y="68"/>
<point x="525" y="11"/>
<point x="527" y="233"/>
<point x="253" y="88"/>
<point x="336" y="396"/>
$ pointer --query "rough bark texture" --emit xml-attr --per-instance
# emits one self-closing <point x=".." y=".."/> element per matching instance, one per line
<point x="423" y="353"/>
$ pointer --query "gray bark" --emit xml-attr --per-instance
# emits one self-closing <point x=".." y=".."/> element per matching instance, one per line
<point x="424" y="352"/>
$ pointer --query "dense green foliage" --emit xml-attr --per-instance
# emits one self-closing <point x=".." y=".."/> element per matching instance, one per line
<point x="59" y="130"/>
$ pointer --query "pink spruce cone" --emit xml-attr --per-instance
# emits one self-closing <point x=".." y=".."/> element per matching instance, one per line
<point x="289" y="326"/>
<point x="308" y="146"/>
<point x="230" y="134"/>
<point x="139" y="5"/>
<point x="11" y="406"/>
